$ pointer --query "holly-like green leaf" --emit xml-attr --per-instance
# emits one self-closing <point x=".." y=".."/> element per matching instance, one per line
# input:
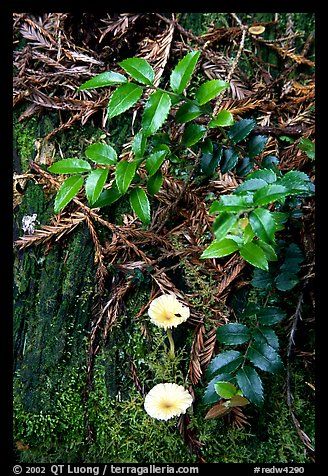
<point x="286" y="281"/>
<point x="183" y="71"/>
<point x="241" y="129"/>
<point x="254" y="254"/>
<point x="223" y="224"/>
<point x="108" y="78"/>
<point x="223" y="119"/>
<point x="124" y="174"/>
<point x="269" y="250"/>
<point x="155" y="112"/>
<point x="256" y="145"/>
<point x="94" y="184"/>
<point x="233" y="333"/>
<point x="219" y="248"/>
<point x="140" y="204"/>
<point x="270" y="193"/>
<point x="264" y="174"/>
<point x="296" y="182"/>
<point x="70" y="166"/>
<point x="229" y="160"/>
<point x="250" y="384"/>
<point x="155" y="182"/>
<point x="244" y="166"/>
<point x="232" y="203"/>
<point x="250" y="185"/>
<point x="154" y="161"/>
<point x="209" y="90"/>
<point x="103" y="154"/>
<point x="225" y="389"/>
<point x="123" y="98"/>
<point x="67" y="191"/>
<point x="264" y="357"/>
<point x="192" y="134"/>
<point x="139" y="144"/>
<point x="262" y="279"/>
<point x="210" y="160"/>
<point x="263" y="224"/>
<point x="187" y="112"/>
<point x="139" y="69"/>
<point x="225" y="362"/>
<point x="270" y="315"/>
<point x="210" y="395"/>
<point x="307" y="146"/>
<point x="108" y="196"/>
<point x="266" y="335"/>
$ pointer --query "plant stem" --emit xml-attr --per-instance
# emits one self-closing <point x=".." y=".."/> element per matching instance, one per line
<point x="171" y="351"/>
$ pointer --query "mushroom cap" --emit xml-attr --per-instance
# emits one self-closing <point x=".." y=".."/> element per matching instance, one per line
<point x="256" y="29"/>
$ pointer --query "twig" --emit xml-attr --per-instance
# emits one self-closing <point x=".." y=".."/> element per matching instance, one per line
<point x="235" y="62"/>
<point x="303" y="436"/>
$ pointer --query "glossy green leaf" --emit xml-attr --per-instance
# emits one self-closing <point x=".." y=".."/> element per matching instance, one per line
<point x="268" y="249"/>
<point x="108" y="196"/>
<point x="67" y="191"/>
<point x="286" y="281"/>
<point x="192" y="134"/>
<point x="223" y="224"/>
<point x="139" y="69"/>
<point x="232" y="203"/>
<point x="124" y="174"/>
<point x="264" y="174"/>
<point x="103" y="154"/>
<point x="94" y="184"/>
<point x="241" y="129"/>
<point x="250" y="185"/>
<point x="183" y="71"/>
<point x="225" y="362"/>
<point x="223" y="119"/>
<point x="244" y="166"/>
<point x="123" y="98"/>
<point x="108" y="78"/>
<point x="270" y="162"/>
<point x="225" y="389"/>
<point x="254" y="254"/>
<point x="70" y="166"/>
<point x="250" y="384"/>
<point x="229" y="160"/>
<point x="139" y="144"/>
<point x="155" y="182"/>
<point x="140" y="204"/>
<point x="209" y="90"/>
<point x="262" y="224"/>
<point x="270" y="315"/>
<point x="187" y="112"/>
<point x="266" y="335"/>
<point x="263" y="356"/>
<point x="210" y="161"/>
<point x="262" y="279"/>
<point x="256" y="145"/>
<point x="154" y="161"/>
<point x="307" y="146"/>
<point x="155" y="112"/>
<point x="210" y="395"/>
<point x="270" y="193"/>
<point x="296" y="182"/>
<point x="219" y="248"/>
<point x="233" y="333"/>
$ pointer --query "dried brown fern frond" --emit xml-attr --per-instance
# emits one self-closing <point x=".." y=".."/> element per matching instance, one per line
<point x="157" y="51"/>
<point x="117" y="26"/>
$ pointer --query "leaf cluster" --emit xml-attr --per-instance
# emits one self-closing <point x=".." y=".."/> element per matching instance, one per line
<point x="248" y="219"/>
<point x="231" y="373"/>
